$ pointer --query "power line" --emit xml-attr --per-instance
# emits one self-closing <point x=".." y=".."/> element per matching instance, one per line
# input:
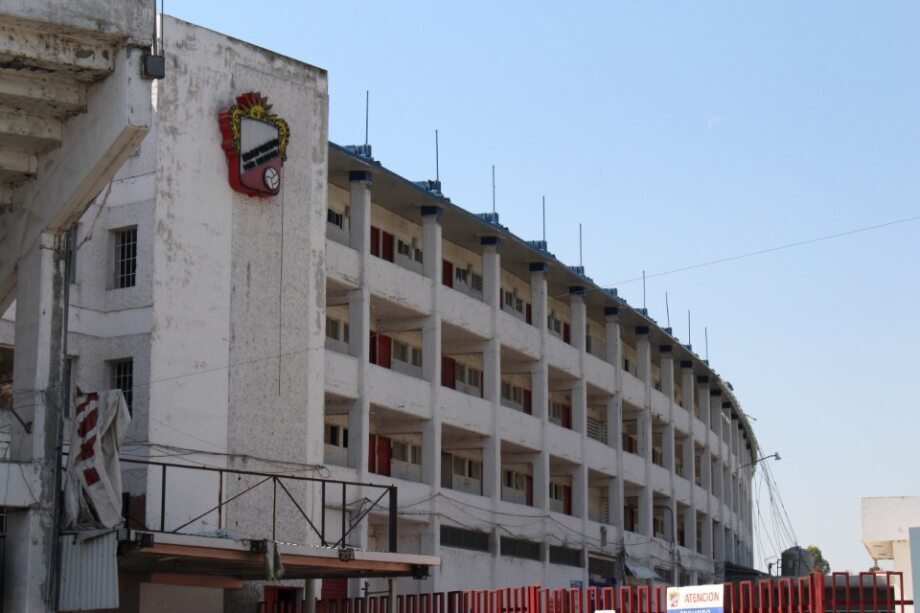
<point x="750" y="254"/>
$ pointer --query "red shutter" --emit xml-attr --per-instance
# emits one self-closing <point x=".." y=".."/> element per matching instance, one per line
<point x="529" y="314"/>
<point x="567" y="499"/>
<point x="375" y="241"/>
<point x="373" y="352"/>
<point x="566" y="416"/>
<point x="528" y="401"/>
<point x="372" y="453"/>
<point x="566" y="332"/>
<point x="384" y="451"/>
<point x="448" y="372"/>
<point x="335" y="589"/>
<point x="447" y="274"/>
<point x="388" y="247"/>
<point x="384" y="350"/>
<point x="528" y="490"/>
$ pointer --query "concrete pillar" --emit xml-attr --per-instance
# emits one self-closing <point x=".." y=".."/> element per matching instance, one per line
<point x="667" y="388"/>
<point x="37" y="375"/>
<point x="580" y="491"/>
<point x="707" y="536"/>
<point x="644" y="429"/>
<point x="359" y="309"/>
<point x="431" y="371"/>
<point x="540" y="464"/>
<point x="491" y="293"/>
<point x="579" y="317"/>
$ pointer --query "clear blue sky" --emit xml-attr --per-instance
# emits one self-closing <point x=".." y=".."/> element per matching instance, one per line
<point x="680" y="132"/>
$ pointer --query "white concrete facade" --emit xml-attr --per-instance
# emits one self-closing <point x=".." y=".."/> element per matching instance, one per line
<point x="891" y="531"/>
<point x="580" y="440"/>
<point x="538" y="427"/>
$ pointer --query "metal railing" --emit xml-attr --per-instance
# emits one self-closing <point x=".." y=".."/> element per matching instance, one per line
<point x="330" y="492"/>
<point x="816" y="593"/>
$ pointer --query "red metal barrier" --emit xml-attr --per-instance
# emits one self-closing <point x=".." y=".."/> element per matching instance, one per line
<point x="835" y="593"/>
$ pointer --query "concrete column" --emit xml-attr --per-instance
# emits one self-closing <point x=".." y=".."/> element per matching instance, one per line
<point x="540" y="381"/>
<point x="615" y="504"/>
<point x="707" y="536"/>
<point x="644" y="428"/>
<point x="580" y="491"/>
<point x="612" y="339"/>
<point x="667" y="388"/>
<point x="37" y="376"/>
<point x="491" y="293"/>
<point x="689" y="451"/>
<point x="431" y="371"/>
<point x="579" y="317"/>
<point x="702" y="397"/>
<point x="359" y="309"/>
<point x="359" y="184"/>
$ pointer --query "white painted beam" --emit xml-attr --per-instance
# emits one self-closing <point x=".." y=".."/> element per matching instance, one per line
<point x="94" y="146"/>
<point x="28" y="132"/>
<point x="49" y="51"/>
<point x="40" y="94"/>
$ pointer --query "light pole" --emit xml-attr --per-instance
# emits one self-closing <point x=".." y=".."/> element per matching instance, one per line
<point x="766" y="457"/>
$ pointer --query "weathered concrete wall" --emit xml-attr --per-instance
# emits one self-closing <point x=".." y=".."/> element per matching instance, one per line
<point x="239" y="283"/>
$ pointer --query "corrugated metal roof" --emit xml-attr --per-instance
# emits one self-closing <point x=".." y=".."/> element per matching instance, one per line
<point x="89" y="573"/>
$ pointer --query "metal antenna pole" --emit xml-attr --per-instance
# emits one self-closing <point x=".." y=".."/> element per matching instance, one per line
<point x="667" y="308"/>
<point x="437" y="158"/>
<point x="544" y="219"/>
<point x="493" y="188"/>
<point x="580" y="260"/>
<point x="367" y="113"/>
<point x="706" y="335"/>
<point x="643" y="289"/>
<point x="688" y="326"/>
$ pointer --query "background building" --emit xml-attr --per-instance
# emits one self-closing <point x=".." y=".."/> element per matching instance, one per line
<point x="361" y="327"/>
<point x="891" y="531"/>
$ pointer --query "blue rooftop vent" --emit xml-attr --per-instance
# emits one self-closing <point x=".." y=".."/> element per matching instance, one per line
<point x="643" y="311"/>
<point x="430" y="186"/>
<point x="491" y="218"/>
<point x="363" y="151"/>
<point x="669" y="331"/>
<point x="578" y="270"/>
<point x="538" y="245"/>
<point x="611" y="291"/>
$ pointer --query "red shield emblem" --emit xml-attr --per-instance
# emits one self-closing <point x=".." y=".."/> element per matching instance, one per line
<point x="255" y="142"/>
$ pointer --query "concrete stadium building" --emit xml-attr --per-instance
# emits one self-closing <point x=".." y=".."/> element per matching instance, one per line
<point x="349" y="324"/>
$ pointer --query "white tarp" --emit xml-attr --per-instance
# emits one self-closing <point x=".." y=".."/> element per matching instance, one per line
<point x="92" y="489"/>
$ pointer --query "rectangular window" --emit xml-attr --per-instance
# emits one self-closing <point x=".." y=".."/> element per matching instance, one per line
<point x="417" y="357"/>
<point x="335" y="218"/>
<point x="332" y="435"/>
<point x="404" y="248"/>
<point x="125" y="257"/>
<point x="520" y="548"/>
<point x="332" y="328"/>
<point x="400" y="351"/>
<point x="565" y="556"/>
<point x="464" y="539"/>
<point x="123" y="379"/>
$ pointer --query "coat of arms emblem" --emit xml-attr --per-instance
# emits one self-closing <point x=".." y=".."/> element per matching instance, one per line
<point x="255" y="141"/>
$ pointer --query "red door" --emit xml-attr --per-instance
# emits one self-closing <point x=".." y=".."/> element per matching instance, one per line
<point x="373" y="352"/>
<point x="567" y="416"/>
<point x="567" y="499"/>
<point x="372" y="453"/>
<point x="448" y="372"/>
<point x="388" y="246"/>
<point x="447" y="274"/>
<point x="528" y="490"/>
<point x="528" y="401"/>
<point x="566" y="332"/>
<point x="529" y="314"/>
<point x="375" y="241"/>
<point x="335" y="589"/>
<point x="384" y="449"/>
<point x="384" y="350"/>
<point x="482" y="386"/>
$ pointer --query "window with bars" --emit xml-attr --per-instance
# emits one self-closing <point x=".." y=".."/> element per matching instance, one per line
<point x="520" y="548"/>
<point x="125" y="243"/>
<point x="123" y="379"/>
<point x="565" y="556"/>
<point x="464" y="539"/>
